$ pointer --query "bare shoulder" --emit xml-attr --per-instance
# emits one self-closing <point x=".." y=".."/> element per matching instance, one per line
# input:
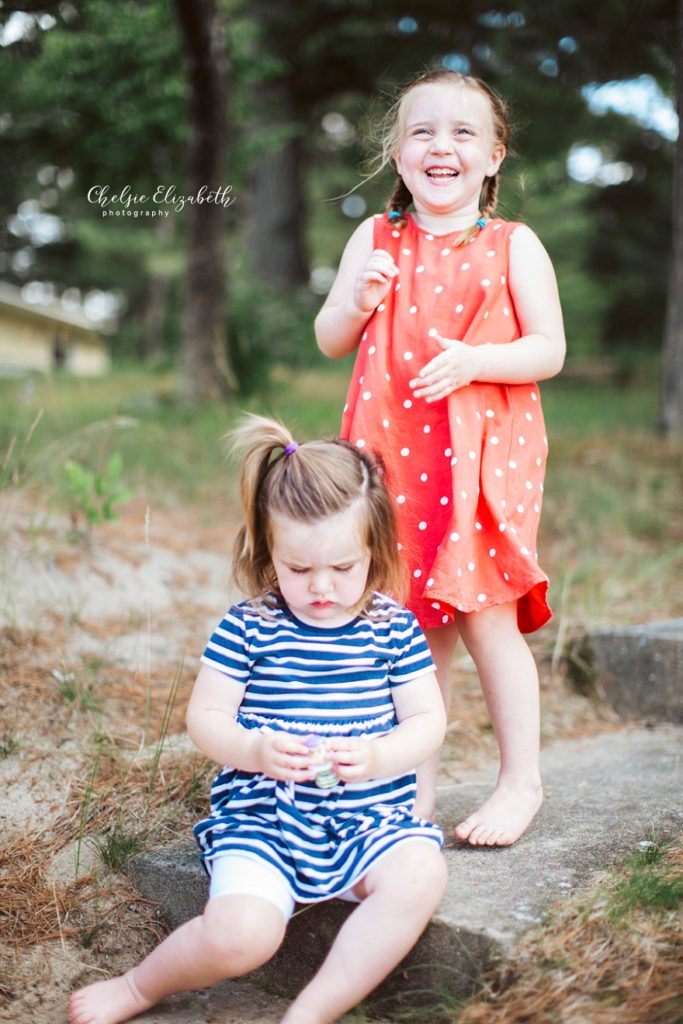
<point x="524" y="240"/>
<point x="362" y="237"/>
<point x="528" y="255"/>
<point x="533" y="287"/>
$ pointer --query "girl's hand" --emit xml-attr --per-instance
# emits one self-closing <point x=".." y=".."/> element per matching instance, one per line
<point x="355" y="759"/>
<point x="453" y="368"/>
<point x="374" y="281"/>
<point x="284" y="757"/>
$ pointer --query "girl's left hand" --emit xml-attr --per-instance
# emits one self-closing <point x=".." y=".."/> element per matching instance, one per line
<point x="453" y="368"/>
<point x="354" y="758"/>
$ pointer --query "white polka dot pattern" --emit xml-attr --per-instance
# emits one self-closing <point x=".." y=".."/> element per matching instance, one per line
<point x="467" y="473"/>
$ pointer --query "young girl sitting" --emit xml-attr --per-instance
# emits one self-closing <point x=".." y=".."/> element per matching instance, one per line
<point x="318" y="666"/>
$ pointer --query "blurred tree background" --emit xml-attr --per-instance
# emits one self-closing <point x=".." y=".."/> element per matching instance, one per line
<point x="274" y="103"/>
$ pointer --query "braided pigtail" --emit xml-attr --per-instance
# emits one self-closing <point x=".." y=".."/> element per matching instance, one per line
<point x="399" y="201"/>
<point x="488" y="200"/>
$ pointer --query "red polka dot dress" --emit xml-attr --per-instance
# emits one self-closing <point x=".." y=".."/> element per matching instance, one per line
<point x="466" y="472"/>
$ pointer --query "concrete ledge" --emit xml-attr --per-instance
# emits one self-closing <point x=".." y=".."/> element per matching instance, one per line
<point x="639" y="669"/>
<point x="603" y="796"/>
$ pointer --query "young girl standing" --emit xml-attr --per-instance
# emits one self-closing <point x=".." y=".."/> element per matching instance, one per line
<point x="318" y="665"/>
<point x="455" y="315"/>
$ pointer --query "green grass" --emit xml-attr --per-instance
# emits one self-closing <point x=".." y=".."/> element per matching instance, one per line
<point x="117" y="846"/>
<point x="612" y="528"/>
<point x="134" y="412"/>
<point x="646" y="884"/>
<point x="578" y="409"/>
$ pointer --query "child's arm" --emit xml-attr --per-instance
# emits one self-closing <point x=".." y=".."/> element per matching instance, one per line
<point x="211" y="725"/>
<point x="363" y="279"/>
<point x="537" y="355"/>
<point x="421" y="729"/>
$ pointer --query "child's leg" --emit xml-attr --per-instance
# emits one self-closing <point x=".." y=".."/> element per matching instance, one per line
<point x="235" y="934"/>
<point x="401" y="893"/>
<point x="509" y="681"/>
<point x="442" y="643"/>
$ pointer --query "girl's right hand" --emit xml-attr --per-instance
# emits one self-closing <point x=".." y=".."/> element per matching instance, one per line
<point x="284" y="757"/>
<point x="374" y="281"/>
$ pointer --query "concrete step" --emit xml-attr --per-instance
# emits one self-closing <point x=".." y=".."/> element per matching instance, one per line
<point x="604" y="795"/>
<point x="637" y="669"/>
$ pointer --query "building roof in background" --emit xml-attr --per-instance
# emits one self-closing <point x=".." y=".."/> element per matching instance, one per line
<point x="53" y="310"/>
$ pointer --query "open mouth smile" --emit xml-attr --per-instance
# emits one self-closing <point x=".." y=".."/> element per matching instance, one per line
<point x="442" y="173"/>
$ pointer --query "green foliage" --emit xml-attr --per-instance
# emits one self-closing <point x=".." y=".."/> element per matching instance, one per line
<point x="117" y="846"/>
<point x="267" y="327"/>
<point x="73" y="691"/>
<point x="85" y="104"/>
<point x="90" y="88"/>
<point x="647" y="883"/>
<point x="9" y="744"/>
<point x="91" y="496"/>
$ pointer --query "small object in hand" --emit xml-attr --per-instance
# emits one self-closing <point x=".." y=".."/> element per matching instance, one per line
<point x="325" y="775"/>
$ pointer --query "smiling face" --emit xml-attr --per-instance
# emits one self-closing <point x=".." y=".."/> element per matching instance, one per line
<point x="448" y="147"/>
<point x="321" y="567"/>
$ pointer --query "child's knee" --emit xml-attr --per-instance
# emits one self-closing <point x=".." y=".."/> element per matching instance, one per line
<point x="418" y="871"/>
<point x="429" y="868"/>
<point x="242" y="932"/>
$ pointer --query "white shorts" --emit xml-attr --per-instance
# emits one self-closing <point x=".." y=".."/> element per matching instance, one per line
<point x="235" y="874"/>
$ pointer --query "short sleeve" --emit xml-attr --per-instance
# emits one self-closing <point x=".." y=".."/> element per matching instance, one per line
<point x="228" y="648"/>
<point x="413" y="657"/>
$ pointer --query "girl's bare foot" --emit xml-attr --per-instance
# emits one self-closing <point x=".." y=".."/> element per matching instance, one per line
<point x="504" y="817"/>
<point x="107" y="1002"/>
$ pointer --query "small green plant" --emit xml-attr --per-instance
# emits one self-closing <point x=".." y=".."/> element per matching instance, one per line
<point x="9" y="744"/>
<point x="72" y="691"/>
<point x="118" y="846"/>
<point x="92" y="497"/>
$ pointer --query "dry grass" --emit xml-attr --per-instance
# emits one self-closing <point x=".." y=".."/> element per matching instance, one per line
<point x="612" y="956"/>
<point x="37" y="909"/>
<point x="112" y="794"/>
<point x="33" y="909"/>
<point x="612" y="558"/>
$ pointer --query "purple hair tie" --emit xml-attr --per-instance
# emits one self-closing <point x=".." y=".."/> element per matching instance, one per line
<point x="291" y="447"/>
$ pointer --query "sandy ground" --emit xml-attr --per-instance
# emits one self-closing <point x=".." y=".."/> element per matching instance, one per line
<point x="94" y="634"/>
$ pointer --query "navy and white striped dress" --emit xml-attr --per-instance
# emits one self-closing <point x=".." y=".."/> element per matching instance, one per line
<point x="306" y="679"/>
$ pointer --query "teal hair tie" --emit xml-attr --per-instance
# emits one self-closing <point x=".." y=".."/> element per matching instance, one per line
<point x="394" y="215"/>
<point x="481" y="223"/>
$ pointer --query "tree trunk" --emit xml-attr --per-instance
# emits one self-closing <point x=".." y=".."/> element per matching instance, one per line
<point x="154" y="315"/>
<point x="670" y="420"/>
<point x="275" y="225"/>
<point x="204" y="368"/>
